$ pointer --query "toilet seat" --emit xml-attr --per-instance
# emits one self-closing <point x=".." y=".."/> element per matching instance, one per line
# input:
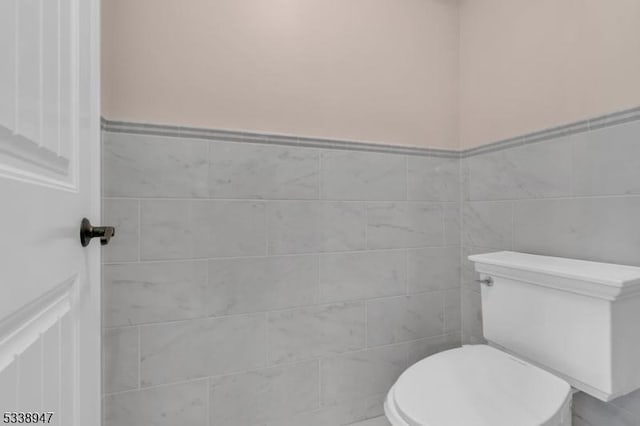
<point x="477" y="386"/>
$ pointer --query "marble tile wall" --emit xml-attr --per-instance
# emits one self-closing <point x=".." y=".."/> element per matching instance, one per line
<point x="576" y="196"/>
<point x="260" y="284"/>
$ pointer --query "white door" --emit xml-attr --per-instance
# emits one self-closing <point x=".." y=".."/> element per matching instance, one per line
<point x="49" y="180"/>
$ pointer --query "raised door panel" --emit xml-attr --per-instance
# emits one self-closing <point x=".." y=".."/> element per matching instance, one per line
<point x="38" y="101"/>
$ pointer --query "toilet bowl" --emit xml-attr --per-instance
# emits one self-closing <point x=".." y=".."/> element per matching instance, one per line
<point x="478" y="386"/>
<point x="552" y="324"/>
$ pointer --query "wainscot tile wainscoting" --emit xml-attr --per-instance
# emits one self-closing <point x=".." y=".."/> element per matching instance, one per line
<point x="270" y="280"/>
<point x="260" y="280"/>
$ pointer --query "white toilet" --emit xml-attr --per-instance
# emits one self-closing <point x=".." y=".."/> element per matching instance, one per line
<point x="552" y="324"/>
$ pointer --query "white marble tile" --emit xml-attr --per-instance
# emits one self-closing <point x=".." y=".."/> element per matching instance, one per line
<point x="535" y="170"/>
<point x="305" y="333"/>
<point x="343" y="226"/>
<point x="238" y="170"/>
<point x="404" y="225"/>
<point x="349" y="175"/>
<point x="350" y="276"/>
<point x="138" y="293"/>
<point x="120" y="359"/>
<point x="356" y="375"/>
<point x="600" y="229"/>
<point x="182" y="229"/>
<point x="344" y="413"/>
<point x="465" y="185"/>
<point x="452" y="311"/>
<point x="261" y="284"/>
<point x="166" y="230"/>
<point x="294" y="227"/>
<point x="229" y="228"/>
<point x="630" y="403"/>
<point x="488" y="176"/>
<point x="420" y="349"/>
<point x="577" y="421"/>
<point x="488" y="224"/>
<point x="596" y="412"/>
<point x="433" y="178"/>
<point x="263" y="396"/>
<point x="471" y="305"/>
<point x="433" y="268"/>
<point x="202" y="347"/>
<point x="123" y="215"/>
<point x="154" y="166"/>
<point x="542" y="169"/>
<point x="182" y="404"/>
<point x="452" y="224"/>
<point x="607" y="161"/>
<point x="378" y="421"/>
<point x="404" y="318"/>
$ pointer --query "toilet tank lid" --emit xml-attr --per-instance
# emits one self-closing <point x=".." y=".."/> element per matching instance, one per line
<point x="622" y="277"/>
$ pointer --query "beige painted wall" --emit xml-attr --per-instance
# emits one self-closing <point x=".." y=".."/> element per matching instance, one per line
<point x="526" y="65"/>
<point x="373" y="70"/>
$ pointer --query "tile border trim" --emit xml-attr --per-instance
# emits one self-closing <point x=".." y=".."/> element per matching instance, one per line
<point x="607" y="120"/>
<point x="267" y="138"/>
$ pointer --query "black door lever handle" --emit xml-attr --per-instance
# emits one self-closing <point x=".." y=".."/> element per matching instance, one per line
<point x="88" y="231"/>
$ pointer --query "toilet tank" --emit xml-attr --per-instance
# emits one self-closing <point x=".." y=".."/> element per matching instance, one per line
<point x="579" y="320"/>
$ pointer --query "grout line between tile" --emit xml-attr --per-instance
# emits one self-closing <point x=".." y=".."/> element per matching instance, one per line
<point x="139" y="205"/>
<point x="320" y="399"/>
<point x="139" y="358"/>
<point x="208" y="402"/>
<point x="272" y="255"/>
<point x="366" y="323"/>
<point x="399" y="201"/>
<point x="267" y="235"/>
<point x="406" y="178"/>
<point x="320" y="177"/>
<point x="267" y="345"/>
<point x="266" y="313"/>
<point x="282" y="365"/>
<point x="512" y="206"/>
